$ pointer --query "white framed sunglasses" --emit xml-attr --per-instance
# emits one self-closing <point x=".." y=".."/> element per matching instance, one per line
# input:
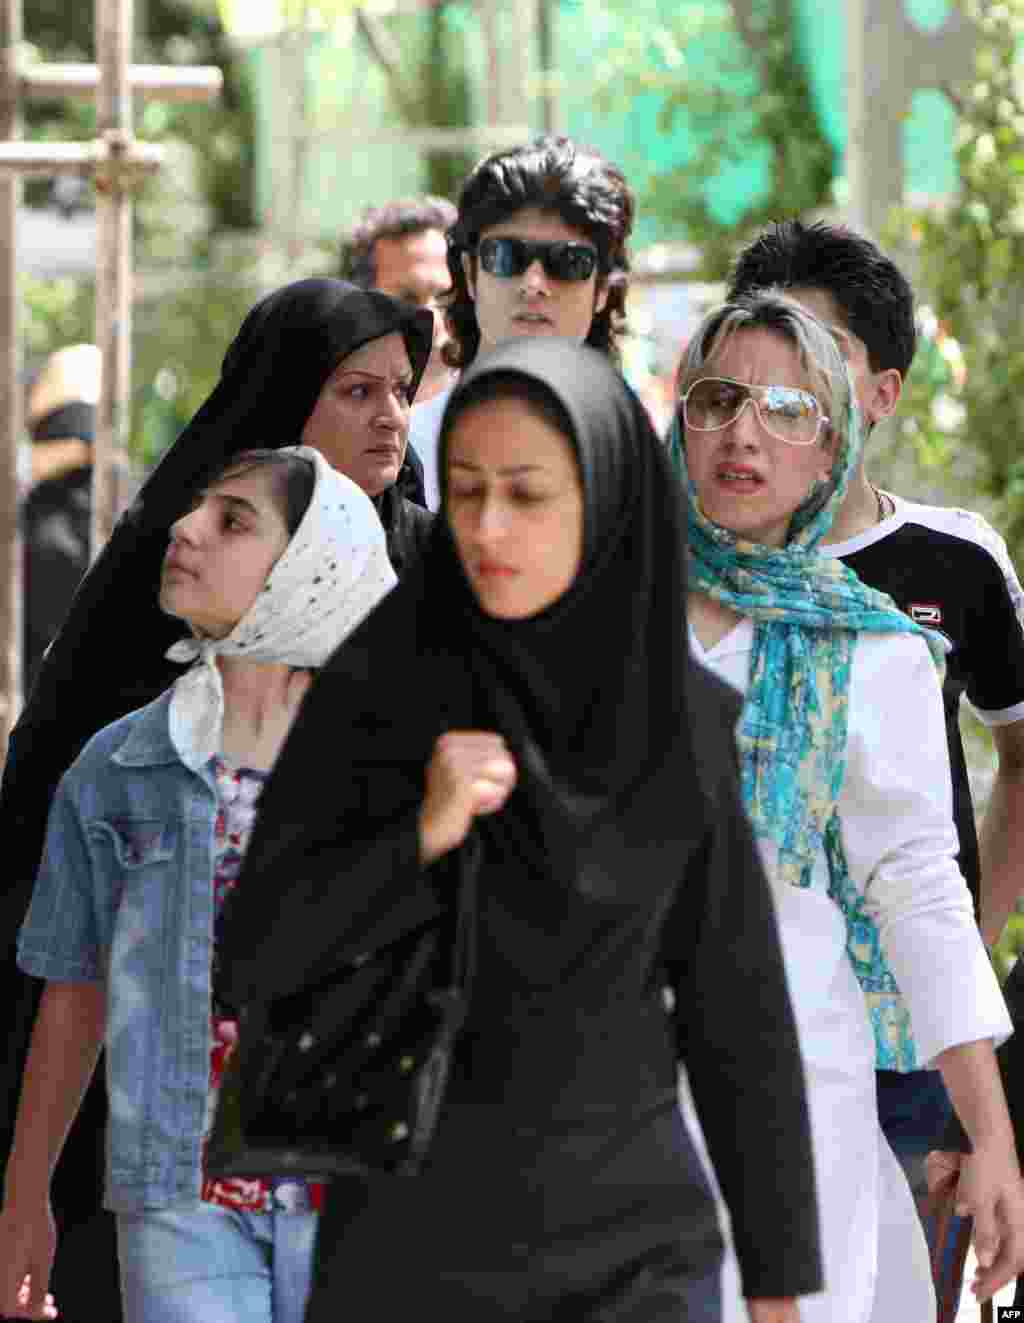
<point x="787" y="413"/>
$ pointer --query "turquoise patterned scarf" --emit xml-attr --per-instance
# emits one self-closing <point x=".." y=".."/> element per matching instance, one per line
<point x="807" y="610"/>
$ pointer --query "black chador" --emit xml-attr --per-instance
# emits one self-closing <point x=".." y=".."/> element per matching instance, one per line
<point x="108" y="659"/>
<point x="562" y="1182"/>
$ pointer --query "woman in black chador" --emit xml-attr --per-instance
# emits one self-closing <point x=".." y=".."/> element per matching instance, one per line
<point x="318" y="362"/>
<point x="528" y="693"/>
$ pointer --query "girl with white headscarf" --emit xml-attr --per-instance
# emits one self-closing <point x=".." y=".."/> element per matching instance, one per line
<point x="277" y="560"/>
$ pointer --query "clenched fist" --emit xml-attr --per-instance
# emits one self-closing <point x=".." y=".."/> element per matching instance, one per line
<point x="471" y="772"/>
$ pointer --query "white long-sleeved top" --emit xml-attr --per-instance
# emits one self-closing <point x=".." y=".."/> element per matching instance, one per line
<point x="896" y="813"/>
<point x="424" y="432"/>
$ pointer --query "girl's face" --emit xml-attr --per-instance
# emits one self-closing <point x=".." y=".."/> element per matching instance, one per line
<point x="747" y="480"/>
<point x="360" y="422"/>
<point x="222" y="552"/>
<point x="515" y="505"/>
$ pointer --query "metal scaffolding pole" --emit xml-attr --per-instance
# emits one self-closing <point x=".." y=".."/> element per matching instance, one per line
<point x="11" y="403"/>
<point x="114" y="30"/>
<point x="116" y="161"/>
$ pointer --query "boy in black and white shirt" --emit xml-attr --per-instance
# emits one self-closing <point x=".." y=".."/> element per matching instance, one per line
<point x="950" y="570"/>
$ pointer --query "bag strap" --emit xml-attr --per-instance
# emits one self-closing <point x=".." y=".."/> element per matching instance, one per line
<point x="452" y="1002"/>
<point x="465" y="958"/>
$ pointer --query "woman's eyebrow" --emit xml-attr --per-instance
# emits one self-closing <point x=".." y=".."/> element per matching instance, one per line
<point x="508" y="472"/>
<point x="236" y="502"/>
<point x="403" y="378"/>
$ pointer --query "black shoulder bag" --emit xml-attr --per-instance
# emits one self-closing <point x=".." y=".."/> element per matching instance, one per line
<point x="350" y="1075"/>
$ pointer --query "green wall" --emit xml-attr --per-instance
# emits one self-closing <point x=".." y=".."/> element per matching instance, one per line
<point x="928" y="131"/>
<point x="343" y="173"/>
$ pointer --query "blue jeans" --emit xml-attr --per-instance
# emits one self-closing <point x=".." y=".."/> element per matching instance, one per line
<point x="205" y="1264"/>
<point x="913" y="1110"/>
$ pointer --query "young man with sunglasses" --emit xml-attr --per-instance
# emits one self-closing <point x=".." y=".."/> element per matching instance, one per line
<point x="946" y="568"/>
<point x="539" y="248"/>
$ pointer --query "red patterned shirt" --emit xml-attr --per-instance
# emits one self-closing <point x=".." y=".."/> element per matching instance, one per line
<point x="238" y="791"/>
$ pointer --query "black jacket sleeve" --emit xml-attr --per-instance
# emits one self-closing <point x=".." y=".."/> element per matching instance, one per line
<point x="737" y="1037"/>
<point x="332" y="869"/>
<point x="329" y="880"/>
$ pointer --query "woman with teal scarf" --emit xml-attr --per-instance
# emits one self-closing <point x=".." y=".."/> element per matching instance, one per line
<point x="845" y="777"/>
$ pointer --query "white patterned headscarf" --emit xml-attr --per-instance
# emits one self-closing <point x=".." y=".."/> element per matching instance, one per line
<point x="331" y="575"/>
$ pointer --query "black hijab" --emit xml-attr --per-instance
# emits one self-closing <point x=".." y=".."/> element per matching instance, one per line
<point x="597" y="697"/>
<point x="108" y="658"/>
<point x="273" y="372"/>
<point x="591" y="694"/>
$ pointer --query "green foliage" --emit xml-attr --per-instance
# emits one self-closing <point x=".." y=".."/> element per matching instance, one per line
<point x="307" y="15"/>
<point x="179" y="343"/>
<point x="178" y="340"/>
<point x="181" y="333"/>
<point x="1007" y="951"/>
<point x="731" y="74"/>
<point x="970" y="266"/>
<point x="54" y="313"/>
<point x="447" y="96"/>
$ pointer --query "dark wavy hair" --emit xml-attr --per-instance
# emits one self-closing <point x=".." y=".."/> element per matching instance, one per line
<point x="873" y="294"/>
<point x="552" y="174"/>
<point x="393" y="220"/>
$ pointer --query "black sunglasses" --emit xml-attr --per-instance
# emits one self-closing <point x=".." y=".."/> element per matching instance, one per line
<point x="562" y="260"/>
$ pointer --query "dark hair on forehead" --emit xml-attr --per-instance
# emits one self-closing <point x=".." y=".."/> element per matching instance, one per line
<point x="873" y="295"/>
<point x="292" y="480"/>
<point x="393" y="220"/>
<point x="535" y="398"/>
<point x="556" y="175"/>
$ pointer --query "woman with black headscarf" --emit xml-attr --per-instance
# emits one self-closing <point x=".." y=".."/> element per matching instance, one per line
<point x="560" y="731"/>
<point x="318" y="362"/>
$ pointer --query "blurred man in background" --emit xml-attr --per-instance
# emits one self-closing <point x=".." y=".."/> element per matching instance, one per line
<point x="400" y="248"/>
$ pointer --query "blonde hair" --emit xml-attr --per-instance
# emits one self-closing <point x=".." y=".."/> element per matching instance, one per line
<point x="816" y="347"/>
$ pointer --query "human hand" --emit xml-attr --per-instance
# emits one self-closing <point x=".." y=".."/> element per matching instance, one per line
<point x="942" y="1171"/>
<point x="783" y="1310"/>
<point x="28" y="1241"/>
<point x="991" y="1191"/>
<point x="471" y="772"/>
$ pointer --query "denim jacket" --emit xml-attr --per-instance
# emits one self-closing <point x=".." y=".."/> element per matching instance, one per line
<point x="125" y="895"/>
